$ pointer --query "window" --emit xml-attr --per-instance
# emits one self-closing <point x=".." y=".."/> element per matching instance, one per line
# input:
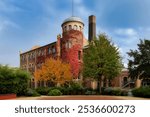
<point x="68" y="44"/>
<point x="49" y="50"/>
<point x="79" y="55"/>
<point x="75" y="27"/>
<point x="65" y="29"/>
<point x="29" y="56"/>
<point x="39" y="53"/>
<point x="53" y="50"/>
<point x="70" y="27"/>
<point x="22" y="58"/>
<point x="80" y="28"/>
<point x="43" y="52"/>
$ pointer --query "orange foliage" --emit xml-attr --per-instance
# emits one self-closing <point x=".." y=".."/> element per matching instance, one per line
<point x="54" y="70"/>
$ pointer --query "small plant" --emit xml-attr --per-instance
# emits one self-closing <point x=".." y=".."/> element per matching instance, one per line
<point x="124" y="92"/>
<point x="55" y="92"/>
<point x="43" y="90"/>
<point x="112" y="91"/>
<point x="88" y="92"/>
<point x="141" y="92"/>
<point x="31" y="92"/>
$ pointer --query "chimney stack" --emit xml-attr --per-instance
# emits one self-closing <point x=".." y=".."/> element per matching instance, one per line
<point x="92" y="27"/>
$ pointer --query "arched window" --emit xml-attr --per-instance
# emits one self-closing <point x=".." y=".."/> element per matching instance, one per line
<point x="80" y="28"/>
<point x="65" y="29"/>
<point x="75" y="27"/>
<point x="70" y="27"/>
<point x="70" y="44"/>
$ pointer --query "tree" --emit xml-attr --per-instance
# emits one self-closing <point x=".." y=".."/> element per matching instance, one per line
<point x="101" y="60"/>
<point x="13" y="80"/>
<point x="55" y="71"/>
<point x="139" y="64"/>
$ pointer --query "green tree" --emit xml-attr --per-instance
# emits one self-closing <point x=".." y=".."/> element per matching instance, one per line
<point x="13" y="80"/>
<point x="139" y="64"/>
<point x="101" y="60"/>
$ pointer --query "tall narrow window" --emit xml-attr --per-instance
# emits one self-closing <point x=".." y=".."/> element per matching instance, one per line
<point x="49" y="50"/>
<point x="79" y="55"/>
<point x="70" y="27"/>
<point x="65" y="29"/>
<point x="80" y="28"/>
<point x="53" y="50"/>
<point x="75" y="27"/>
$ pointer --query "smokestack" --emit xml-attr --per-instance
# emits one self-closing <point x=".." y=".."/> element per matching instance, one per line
<point x="92" y="27"/>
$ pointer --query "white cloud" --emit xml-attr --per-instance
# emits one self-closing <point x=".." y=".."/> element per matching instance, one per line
<point x="6" y="24"/>
<point x="125" y="32"/>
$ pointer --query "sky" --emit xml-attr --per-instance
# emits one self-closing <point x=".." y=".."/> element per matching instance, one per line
<point x="26" y="23"/>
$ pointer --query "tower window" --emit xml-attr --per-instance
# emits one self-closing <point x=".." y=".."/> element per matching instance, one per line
<point x="79" y="55"/>
<point x="80" y="28"/>
<point x="65" y="29"/>
<point x="70" y="27"/>
<point x="75" y="27"/>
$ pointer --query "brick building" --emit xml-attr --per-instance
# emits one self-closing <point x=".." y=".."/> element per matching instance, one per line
<point x="70" y="42"/>
<point x="72" y="37"/>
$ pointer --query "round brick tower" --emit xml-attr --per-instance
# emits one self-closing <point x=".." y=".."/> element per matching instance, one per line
<point x="72" y="44"/>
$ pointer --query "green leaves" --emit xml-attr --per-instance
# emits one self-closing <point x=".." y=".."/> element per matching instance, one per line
<point x="13" y="80"/>
<point x="101" y="59"/>
<point x="139" y="64"/>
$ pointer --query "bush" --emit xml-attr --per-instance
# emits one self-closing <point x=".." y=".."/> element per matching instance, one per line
<point x="75" y="89"/>
<point x="124" y="92"/>
<point x="141" y="92"/>
<point x="88" y="92"/>
<point x="31" y="92"/>
<point x="112" y="91"/>
<point x="43" y="90"/>
<point x="13" y="80"/>
<point x="55" y="92"/>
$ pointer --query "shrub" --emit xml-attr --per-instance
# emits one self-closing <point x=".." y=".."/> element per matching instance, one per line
<point x="108" y="91"/>
<point x="91" y="92"/>
<point x="76" y="89"/>
<point x="55" y="92"/>
<point x="31" y="92"/>
<point x="112" y="91"/>
<point x="116" y="91"/>
<point x="141" y="92"/>
<point x="13" y="80"/>
<point x="43" y="90"/>
<point x="88" y="92"/>
<point x="124" y="92"/>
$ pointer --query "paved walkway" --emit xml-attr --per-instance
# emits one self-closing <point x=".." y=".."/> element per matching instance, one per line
<point x="81" y="97"/>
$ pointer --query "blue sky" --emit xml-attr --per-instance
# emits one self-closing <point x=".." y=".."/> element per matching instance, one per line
<point x="25" y="23"/>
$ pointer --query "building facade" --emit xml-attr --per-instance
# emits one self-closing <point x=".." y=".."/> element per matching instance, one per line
<point x="68" y="47"/>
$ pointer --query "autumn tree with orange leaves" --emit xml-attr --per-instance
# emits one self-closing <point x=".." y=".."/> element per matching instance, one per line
<point x="55" y="71"/>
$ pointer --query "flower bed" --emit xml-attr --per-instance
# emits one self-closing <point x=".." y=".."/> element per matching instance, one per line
<point x="7" y="96"/>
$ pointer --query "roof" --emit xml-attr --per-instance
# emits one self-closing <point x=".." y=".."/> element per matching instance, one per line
<point x="38" y="47"/>
<point x="73" y="19"/>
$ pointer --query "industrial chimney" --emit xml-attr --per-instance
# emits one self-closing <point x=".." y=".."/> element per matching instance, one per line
<point x="92" y="27"/>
